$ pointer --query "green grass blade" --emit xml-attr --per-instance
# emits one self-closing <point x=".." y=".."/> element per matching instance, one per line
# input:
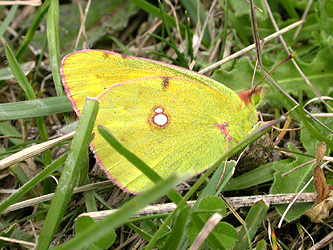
<point x="70" y="173"/>
<point x="19" y="174"/>
<point x="89" y="196"/>
<point x="52" y="32"/>
<point x="146" y="236"/>
<point x="254" y="177"/>
<point x="6" y="73"/>
<point x="212" y="188"/>
<point x="19" y="75"/>
<point x="151" y="9"/>
<point x="102" y="228"/>
<point x="10" y="16"/>
<point x="178" y="230"/>
<point x="121" y="46"/>
<point x="33" y="28"/>
<point x="188" y="39"/>
<point x="240" y="28"/>
<point x="32" y="183"/>
<point x="311" y="128"/>
<point x="289" y="6"/>
<point x="35" y="108"/>
<point x="166" y="26"/>
<point x="225" y="6"/>
<point x="194" y="7"/>
<point x="25" y="85"/>
<point x="253" y="220"/>
<point x="10" y="130"/>
<point x="162" y="55"/>
<point x="39" y="61"/>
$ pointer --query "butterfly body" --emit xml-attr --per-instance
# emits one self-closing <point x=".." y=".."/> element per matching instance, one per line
<point x="175" y="120"/>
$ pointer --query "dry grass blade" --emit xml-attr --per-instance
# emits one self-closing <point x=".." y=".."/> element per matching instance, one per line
<point x="251" y="47"/>
<point x="48" y="197"/>
<point x="33" y="151"/>
<point x="21" y="242"/>
<point x="307" y="81"/>
<point x="209" y="226"/>
<point x="28" y="2"/>
<point x="255" y="34"/>
<point x="236" y="202"/>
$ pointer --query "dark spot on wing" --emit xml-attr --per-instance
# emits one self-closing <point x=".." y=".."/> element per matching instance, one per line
<point x="122" y="139"/>
<point x="165" y="83"/>
<point x="106" y="55"/>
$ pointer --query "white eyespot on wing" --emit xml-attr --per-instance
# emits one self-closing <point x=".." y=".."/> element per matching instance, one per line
<point x="158" y="110"/>
<point x="160" y="119"/>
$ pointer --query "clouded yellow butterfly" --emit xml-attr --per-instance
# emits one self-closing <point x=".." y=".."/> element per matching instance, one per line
<point x="172" y="118"/>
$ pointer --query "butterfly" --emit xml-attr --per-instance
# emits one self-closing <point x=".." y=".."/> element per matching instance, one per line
<point x="174" y="119"/>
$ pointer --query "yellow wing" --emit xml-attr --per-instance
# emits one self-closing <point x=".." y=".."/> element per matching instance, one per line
<point x="171" y="120"/>
<point x="91" y="72"/>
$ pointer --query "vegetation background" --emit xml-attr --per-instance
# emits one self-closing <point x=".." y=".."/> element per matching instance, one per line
<point x="187" y="33"/>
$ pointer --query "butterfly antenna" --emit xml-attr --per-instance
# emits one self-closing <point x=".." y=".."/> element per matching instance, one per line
<point x="291" y="56"/>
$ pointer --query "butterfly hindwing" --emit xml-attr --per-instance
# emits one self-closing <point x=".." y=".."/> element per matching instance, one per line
<point x="172" y="118"/>
<point x="186" y="138"/>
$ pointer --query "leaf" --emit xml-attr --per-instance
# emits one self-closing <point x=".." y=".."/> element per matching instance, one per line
<point x="321" y="210"/>
<point x="227" y="234"/>
<point x="253" y="220"/>
<point x="213" y="204"/>
<point x="207" y="207"/>
<point x="293" y="183"/>
<point x="319" y="72"/>
<point x="6" y="73"/>
<point x="243" y="8"/>
<point x="254" y="177"/>
<point x="239" y="77"/>
<point x="84" y="222"/>
<point x="101" y="16"/>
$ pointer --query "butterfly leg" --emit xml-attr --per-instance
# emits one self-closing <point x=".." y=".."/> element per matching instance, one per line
<point x="223" y="128"/>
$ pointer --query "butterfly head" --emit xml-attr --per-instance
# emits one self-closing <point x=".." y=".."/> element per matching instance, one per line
<point x="252" y="96"/>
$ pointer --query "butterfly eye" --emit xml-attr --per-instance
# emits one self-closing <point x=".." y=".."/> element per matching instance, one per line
<point x="255" y="99"/>
<point x="257" y="96"/>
